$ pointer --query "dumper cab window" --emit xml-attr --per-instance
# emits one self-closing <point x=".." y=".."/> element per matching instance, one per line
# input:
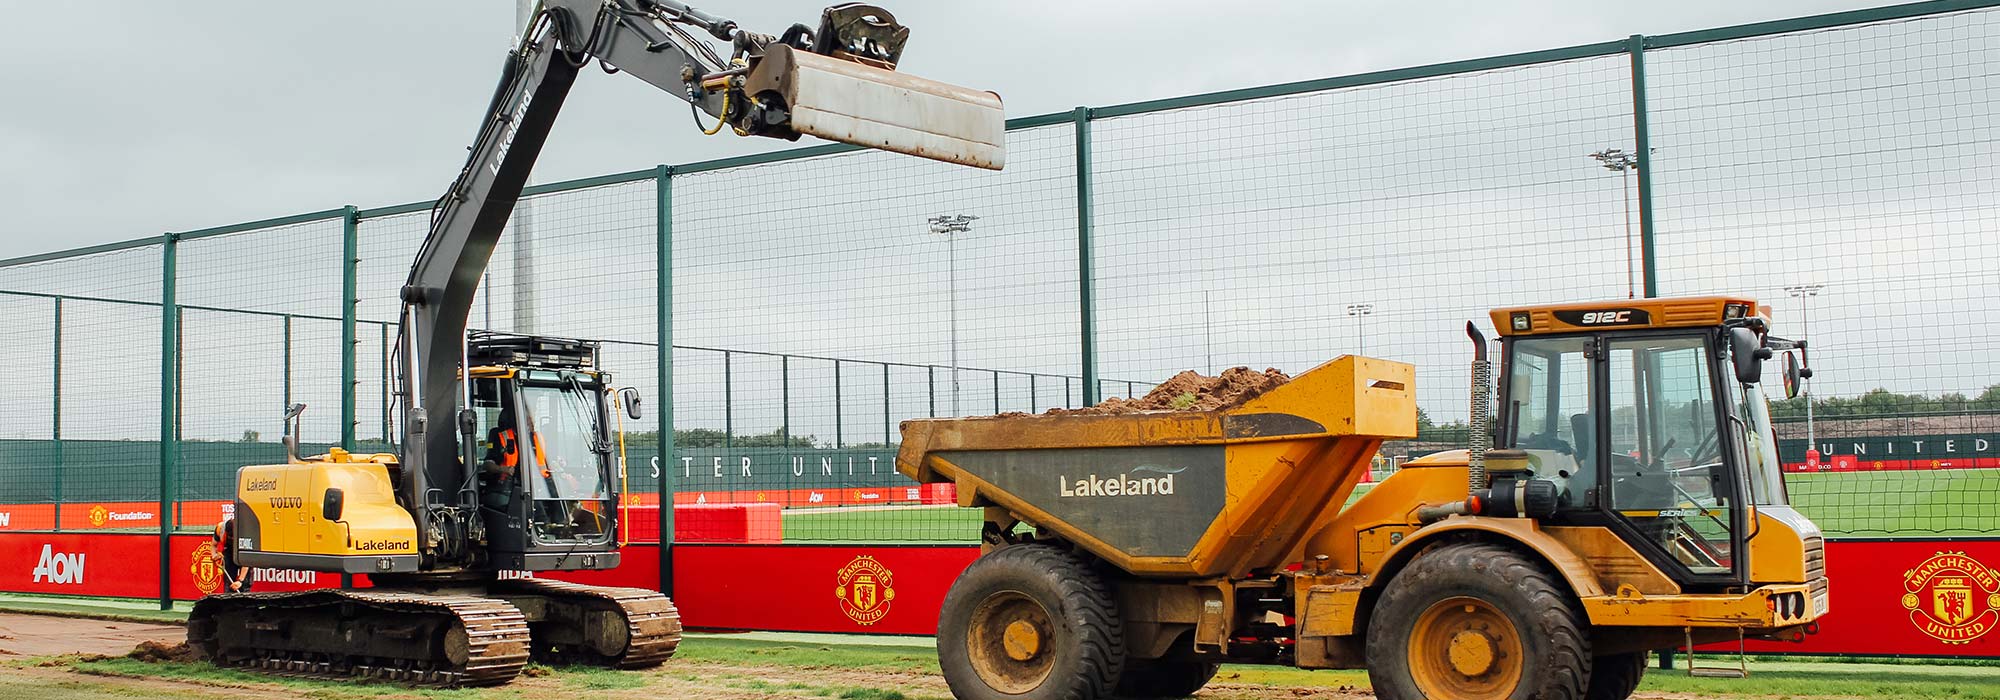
<point x="1549" y="412"/>
<point x="1668" y="475"/>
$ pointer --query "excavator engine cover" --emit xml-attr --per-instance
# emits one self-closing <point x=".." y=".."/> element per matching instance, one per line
<point x="846" y="101"/>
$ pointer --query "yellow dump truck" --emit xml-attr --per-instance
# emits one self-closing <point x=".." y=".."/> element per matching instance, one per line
<point x="1626" y="497"/>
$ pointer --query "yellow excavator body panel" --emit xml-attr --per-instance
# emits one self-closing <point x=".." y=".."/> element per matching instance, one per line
<point x="282" y="516"/>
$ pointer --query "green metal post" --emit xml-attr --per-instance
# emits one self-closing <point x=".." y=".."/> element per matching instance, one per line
<point x="350" y="292"/>
<point x="288" y="371"/>
<point x="1032" y="407"/>
<point x="55" y="424"/>
<point x="930" y="386"/>
<point x="169" y="408"/>
<point x="839" y="440"/>
<point x="785" y="394"/>
<point x="663" y="230"/>
<point x="996" y="392"/>
<point x="886" y="420"/>
<point x="1643" y="143"/>
<point x="1085" y="289"/>
<point x="729" y="401"/>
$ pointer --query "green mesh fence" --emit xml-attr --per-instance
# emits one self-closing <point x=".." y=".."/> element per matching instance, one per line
<point x="1838" y="168"/>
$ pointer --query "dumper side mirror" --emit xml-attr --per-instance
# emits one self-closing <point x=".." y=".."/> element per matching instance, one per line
<point x="1792" y="375"/>
<point x="1747" y="353"/>
<point x="629" y="398"/>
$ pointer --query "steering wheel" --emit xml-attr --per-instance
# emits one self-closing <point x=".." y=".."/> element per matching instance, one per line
<point x="1547" y="441"/>
<point x="1709" y="449"/>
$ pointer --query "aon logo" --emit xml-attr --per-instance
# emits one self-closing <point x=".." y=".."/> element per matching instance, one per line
<point x="60" y="568"/>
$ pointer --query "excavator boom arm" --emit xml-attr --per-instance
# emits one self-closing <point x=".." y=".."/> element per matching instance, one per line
<point x="750" y="90"/>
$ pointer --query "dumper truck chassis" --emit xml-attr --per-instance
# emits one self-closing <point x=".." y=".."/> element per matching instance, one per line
<point x="1128" y="555"/>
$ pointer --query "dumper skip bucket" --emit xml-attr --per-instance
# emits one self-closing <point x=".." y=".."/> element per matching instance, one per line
<point x="1179" y="493"/>
<point x="849" y="102"/>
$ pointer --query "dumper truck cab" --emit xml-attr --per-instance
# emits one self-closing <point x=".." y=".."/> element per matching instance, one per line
<point x="1622" y="495"/>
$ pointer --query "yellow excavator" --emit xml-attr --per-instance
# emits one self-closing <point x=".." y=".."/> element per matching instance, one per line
<point x="507" y="462"/>
<point x="1626" y="497"/>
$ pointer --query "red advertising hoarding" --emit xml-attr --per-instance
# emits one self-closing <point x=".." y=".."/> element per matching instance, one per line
<point x="1908" y="597"/>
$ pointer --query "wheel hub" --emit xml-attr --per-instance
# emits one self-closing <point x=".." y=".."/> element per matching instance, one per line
<point x="1465" y="648"/>
<point x="1008" y="642"/>
<point x="1022" y="640"/>
<point x="1472" y="653"/>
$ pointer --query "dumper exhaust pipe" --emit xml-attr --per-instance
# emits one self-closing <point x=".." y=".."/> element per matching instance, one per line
<point x="1479" y="442"/>
<point x="1481" y="439"/>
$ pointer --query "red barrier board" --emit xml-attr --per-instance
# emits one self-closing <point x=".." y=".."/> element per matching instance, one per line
<point x="799" y="588"/>
<point x="1918" y="598"/>
<point x="1922" y="598"/>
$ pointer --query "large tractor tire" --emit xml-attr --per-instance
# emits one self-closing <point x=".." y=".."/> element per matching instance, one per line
<point x="1476" y="622"/>
<point x="1030" y="622"/>
<point x="1148" y="679"/>
<point x="1614" y="677"/>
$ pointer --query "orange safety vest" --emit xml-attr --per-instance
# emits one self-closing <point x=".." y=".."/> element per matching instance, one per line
<point x="509" y="456"/>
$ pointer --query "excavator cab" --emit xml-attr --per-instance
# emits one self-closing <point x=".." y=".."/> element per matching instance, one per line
<point x="547" y="452"/>
<point x="1649" y="418"/>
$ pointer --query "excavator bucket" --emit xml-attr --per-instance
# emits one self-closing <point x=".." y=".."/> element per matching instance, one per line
<point x="851" y="102"/>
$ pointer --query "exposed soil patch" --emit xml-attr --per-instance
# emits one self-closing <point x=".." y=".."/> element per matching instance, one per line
<point x="42" y="635"/>
<point x="1190" y="391"/>
<point x="153" y="652"/>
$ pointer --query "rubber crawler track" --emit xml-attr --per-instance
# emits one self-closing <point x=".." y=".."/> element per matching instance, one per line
<point x="495" y="632"/>
<point x="651" y="619"/>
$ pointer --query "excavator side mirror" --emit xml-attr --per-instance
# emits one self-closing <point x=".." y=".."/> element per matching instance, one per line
<point x="331" y="506"/>
<point x="629" y="397"/>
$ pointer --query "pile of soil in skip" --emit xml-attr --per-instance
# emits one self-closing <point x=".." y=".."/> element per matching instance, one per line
<point x="1190" y="391"/>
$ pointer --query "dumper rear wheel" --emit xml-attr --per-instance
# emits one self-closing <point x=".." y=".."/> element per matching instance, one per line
<point x="1030" y="622"/>
<point x="1476" y="622"/>
<point x="1159" y="678"/>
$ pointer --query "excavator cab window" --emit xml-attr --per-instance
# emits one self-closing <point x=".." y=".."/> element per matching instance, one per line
<point x="565" y="461"/>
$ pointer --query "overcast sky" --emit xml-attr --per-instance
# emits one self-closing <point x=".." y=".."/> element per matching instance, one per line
<point x="1861" y="159"/>
<point x="143" y="117"/>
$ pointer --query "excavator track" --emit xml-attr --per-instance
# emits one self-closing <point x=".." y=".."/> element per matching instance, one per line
<point x="628" y="628"/>
<point x="413" y="638"/>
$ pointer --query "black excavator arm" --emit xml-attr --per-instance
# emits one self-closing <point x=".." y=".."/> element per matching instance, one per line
<point x="815" y="81"/>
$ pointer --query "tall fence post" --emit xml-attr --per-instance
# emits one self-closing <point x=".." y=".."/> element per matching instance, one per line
<point x="350" y="293"/>
<point x="1643" y="143"/>
<point x="287" y="407"/>
<point x="55" y="422"/>
<point x="839" y="427"/>
<point x="1085" y="269"/>
<point x="169" y="409"/>
<point x="887" y="418"/>
<point x="663" y="230"/>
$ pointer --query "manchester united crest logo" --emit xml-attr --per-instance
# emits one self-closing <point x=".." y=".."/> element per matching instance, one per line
<point x="99" y="515"/>
<point x="205" y="569"/>
<point x="866" y="588"/>
<point x="1952" y="597"/>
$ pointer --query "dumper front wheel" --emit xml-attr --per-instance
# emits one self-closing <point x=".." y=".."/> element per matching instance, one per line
<point x="1030" y="622"/>
<point x="1476" y="622"/>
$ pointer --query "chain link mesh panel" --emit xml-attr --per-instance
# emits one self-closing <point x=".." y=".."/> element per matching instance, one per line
<point x="1847" y="178"/>
<point x="835" y="267"/>
<point x="79" y="439"/>
<point x="1371" y="220"/>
